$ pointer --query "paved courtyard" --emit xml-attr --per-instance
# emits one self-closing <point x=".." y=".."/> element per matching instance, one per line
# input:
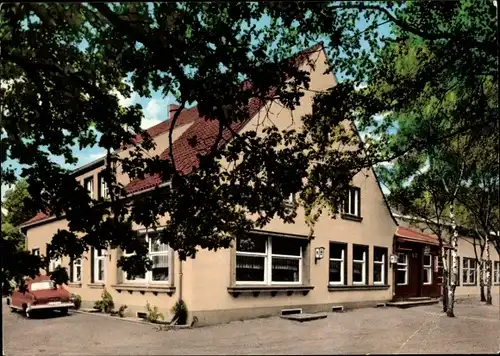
<point x="476" y="329"/>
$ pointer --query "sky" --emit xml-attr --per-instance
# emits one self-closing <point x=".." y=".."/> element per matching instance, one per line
<point x="155" y="110"/>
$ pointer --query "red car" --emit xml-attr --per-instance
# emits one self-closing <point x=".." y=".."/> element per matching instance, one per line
<point x="41" y="294"/>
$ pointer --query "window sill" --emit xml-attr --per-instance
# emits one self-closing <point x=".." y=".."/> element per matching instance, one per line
<point x="75" y="284"/>
<point x="142" y="288"/>
<point x="96" y="285"/>
<point x="468" y="285"/>
<point x="256" y="289"/>
<point x="334" y="288"/>
<point x="351" y="217"/>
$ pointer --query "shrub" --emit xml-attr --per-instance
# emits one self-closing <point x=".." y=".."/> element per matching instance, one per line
<point x="77" y="300"/>
<point x="153" y="314"/>
<point x="106" y="303"/>
<point x="180" y="311"/>
<point x="121" y="311"/>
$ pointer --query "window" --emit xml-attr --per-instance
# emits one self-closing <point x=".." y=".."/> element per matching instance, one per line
<point x="352" y="202"/>
<point x="76" y="271"/>
<point x="89" y="185"/>
<point x="53" y="262"/>
<point x="290" y="200"/>
<point x="158" y="253"/>
<point x="359" y="264"/>
<point x="99" y="266"/>
<point x="379" y="263"/>
<point x="496" y="272"/>
<point x="402" y="272"/>
<point x="469" y="271"/>
<point x="337" y="270"/>
<point x="427" y="269"/>
<point x="35" y="251"/>
<point x="103" y="188"/>
<point x="268" y="260"/>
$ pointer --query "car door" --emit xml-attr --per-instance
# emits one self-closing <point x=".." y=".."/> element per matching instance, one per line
<point x="15" y="298"/>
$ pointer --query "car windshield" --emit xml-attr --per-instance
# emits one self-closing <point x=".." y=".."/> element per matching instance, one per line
<point x="45" y="285"/>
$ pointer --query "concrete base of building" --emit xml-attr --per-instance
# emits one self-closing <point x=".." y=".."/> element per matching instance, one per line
<point x="213" y="317"/>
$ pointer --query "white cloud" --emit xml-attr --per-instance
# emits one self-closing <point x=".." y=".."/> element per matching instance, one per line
<point x="151" y="114"/>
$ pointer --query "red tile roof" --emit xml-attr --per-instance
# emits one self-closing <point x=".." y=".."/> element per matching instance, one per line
<point x="205" y="130"/>
<point x="39" y="216"/>
<point x="410" y="235"/>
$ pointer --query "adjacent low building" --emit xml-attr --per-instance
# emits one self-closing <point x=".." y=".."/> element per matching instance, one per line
<point x="469" y="255"/>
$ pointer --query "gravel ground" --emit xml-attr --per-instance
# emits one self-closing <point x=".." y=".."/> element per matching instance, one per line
<point x="476" y="329"/>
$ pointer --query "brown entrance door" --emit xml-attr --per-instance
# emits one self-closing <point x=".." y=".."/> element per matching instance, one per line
<point x="409" y="275"/>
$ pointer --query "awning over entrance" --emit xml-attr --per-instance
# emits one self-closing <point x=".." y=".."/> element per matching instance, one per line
<point x="406" y="234"/>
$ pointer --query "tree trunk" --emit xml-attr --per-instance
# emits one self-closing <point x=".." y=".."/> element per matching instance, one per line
<point x="454" y="262"/>
<point x="488" y="271"/>
<point x="444" y="261"/>
<point x="481" y="279"/>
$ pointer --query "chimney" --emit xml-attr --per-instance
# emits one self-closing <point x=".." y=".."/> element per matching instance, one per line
<point x="172" y="109"/>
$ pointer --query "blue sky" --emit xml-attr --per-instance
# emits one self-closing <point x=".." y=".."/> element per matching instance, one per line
<point x="155" y="111"/>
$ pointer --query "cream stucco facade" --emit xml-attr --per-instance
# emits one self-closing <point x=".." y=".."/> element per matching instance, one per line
<point x="209" y="283"/>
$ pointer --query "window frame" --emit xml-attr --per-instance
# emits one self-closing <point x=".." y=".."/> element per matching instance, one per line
<point x="364" y="270"/>
<point x="427" y="269"/>
<point x="357" y="202"/>
<point x="468" y="268"/>
<point x="496" y="272"/>
<point x="77" y="262"/>
<point x="148" y="275"/>
<point x="95" y="267"/>
<point x="383" y="263"/>
<point x="268" y="263"/>
<point x="343" y="263"/>
<point x="404" y="268"/>
<point x="103" y="187"/>
<point x="86" y="182"/>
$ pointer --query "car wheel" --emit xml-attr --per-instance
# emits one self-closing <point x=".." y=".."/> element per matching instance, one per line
<point x="64" y="311"/>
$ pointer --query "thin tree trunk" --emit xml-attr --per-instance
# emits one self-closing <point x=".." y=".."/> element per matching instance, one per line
<point x="481" y="279"/>
<point x="444" y="261"/>
<point x="454" y="261"/>
<point x="488" y="271"/>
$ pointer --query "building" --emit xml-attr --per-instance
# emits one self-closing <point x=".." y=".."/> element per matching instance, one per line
<point x="469" y="253"/>
<point x="345" y="263"/>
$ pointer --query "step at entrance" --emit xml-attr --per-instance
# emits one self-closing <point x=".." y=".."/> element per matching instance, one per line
<point x="419" y="298"/>
<point x="304" y="316"/>
<point x="412" y="303"/>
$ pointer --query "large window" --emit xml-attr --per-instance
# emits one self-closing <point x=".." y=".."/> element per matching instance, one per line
<point x="268" y="260"/>
<point x="99" y="266"/>
<point x="54" y="262"/>
<point x="337" y="268"/>
<point x="76" y="271"/>
<point x="359" y="264"/>
<point x="469" y="271"/>
<point x="351" y="204"/>
<point x="103" y="188"/>
<point x="427" y="272"/>
<point x="89" y="185"/>
<point x="402" y="269"/>
<point x="379" y="263"/>
<point x="496" y="272"/>
<point x="158" y="253"/>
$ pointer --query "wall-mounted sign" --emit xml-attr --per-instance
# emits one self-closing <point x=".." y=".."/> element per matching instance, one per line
<point x="436" y="263"/>
<point x="394" y="259"/>
<point x="427" y="250"/>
